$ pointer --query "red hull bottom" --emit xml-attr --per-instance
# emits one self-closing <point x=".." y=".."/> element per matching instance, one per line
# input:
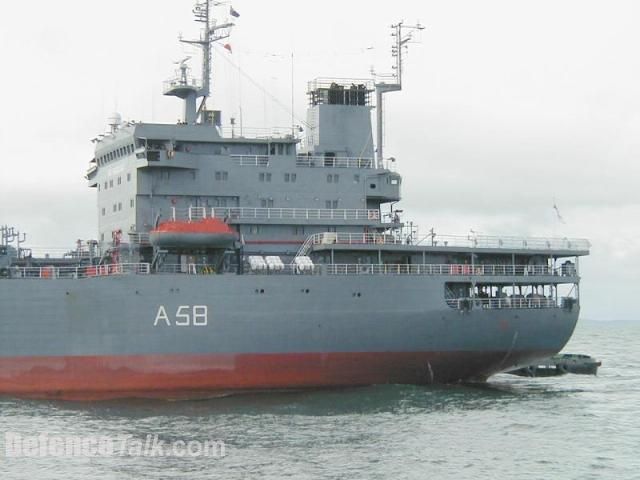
<point x="199" y="376"/>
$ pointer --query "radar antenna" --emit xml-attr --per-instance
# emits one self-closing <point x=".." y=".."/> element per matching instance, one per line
<point x="183" y="70"/>
<point x="403" y="34"/>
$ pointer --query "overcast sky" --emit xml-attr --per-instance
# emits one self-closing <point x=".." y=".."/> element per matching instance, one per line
<point x="507" y="106"/>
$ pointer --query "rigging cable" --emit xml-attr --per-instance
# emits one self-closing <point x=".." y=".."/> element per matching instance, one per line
<point x="256" y="84"/>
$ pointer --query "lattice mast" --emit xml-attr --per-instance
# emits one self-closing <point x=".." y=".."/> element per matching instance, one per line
<point x="402" y="35"/>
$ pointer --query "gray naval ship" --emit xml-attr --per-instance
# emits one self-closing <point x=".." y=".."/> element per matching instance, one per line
<point x="230" y="262"/>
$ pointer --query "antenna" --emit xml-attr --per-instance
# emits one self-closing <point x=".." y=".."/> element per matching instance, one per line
<point x="211" y="33"/>
<point x="293" y="115"/>
<point x="184" y="70"/>
<point x="402" y="34"/>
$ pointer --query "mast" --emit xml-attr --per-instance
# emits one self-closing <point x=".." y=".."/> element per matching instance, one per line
<point x="190" y="90"/>
<point x="401" y="39"/>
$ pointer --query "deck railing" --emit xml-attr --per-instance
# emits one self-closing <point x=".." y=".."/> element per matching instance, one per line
<point x="139" y="238"/>
<point x="334" y="162"/>
<point x="531" y="302"/>
<point x="52" y="273"/>
<point x="244" y="213"/>
<point x="448" y="269"/>
<point x="252" y="160"/>
<point x="458" y="270"/>
<point x="275" y="133"/>
<point x="480" y="242"/>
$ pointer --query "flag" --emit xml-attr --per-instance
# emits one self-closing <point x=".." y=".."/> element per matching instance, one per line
<point x="560" y="219"/>
<point x="233" y="12"/>
<point x="228" y="47"/>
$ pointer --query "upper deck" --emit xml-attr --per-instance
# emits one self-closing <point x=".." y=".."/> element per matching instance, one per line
<point x="559" y="247"/>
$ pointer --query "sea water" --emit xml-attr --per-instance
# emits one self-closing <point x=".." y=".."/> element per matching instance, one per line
<point x="573" y="426"/>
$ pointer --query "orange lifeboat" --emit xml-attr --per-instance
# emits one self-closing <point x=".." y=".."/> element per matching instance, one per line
<point x="206" y="233"/>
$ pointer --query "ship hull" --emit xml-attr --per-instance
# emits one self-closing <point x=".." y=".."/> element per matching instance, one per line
<point x="199" y="376"/>
<point x="146" y="336"/>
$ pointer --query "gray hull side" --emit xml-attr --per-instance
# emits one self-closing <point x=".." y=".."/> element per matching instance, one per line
<point x="262" y="314"/>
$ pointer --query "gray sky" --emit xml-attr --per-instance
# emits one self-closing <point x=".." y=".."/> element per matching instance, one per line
<point x="507" y="106"/>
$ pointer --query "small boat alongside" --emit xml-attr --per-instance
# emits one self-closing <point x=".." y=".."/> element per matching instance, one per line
<point x="560" y="364"/>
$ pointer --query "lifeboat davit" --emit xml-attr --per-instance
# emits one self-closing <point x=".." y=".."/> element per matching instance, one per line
<point x="206" y="233"/>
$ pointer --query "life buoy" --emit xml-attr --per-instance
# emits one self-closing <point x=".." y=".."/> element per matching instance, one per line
<point x="47" y="272"/>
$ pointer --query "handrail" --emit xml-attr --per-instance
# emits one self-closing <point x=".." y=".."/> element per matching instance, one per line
<point x="43" y="252"/>
<point x="252" y="160"/>
<point x="444" y="241"/>
<point x="178" y="82"/>
<point x="457" y="270"/>
<point x="231" y="213"/>
<point x="532" y="302"/>
<point x="449" y="269"/>
<point x="139" y="238"/>
<point x="52" y="273"/>
<point x="335" y="162"/>
<point x="276" y="133"/>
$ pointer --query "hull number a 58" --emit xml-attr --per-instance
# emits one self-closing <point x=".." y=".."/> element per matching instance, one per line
<point x="185" y="316"/>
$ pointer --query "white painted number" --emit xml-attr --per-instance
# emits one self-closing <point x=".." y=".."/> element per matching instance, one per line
<point x="186" y="316"/>
<point x="200" y="317"/>
<point x="182" y="316"/>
